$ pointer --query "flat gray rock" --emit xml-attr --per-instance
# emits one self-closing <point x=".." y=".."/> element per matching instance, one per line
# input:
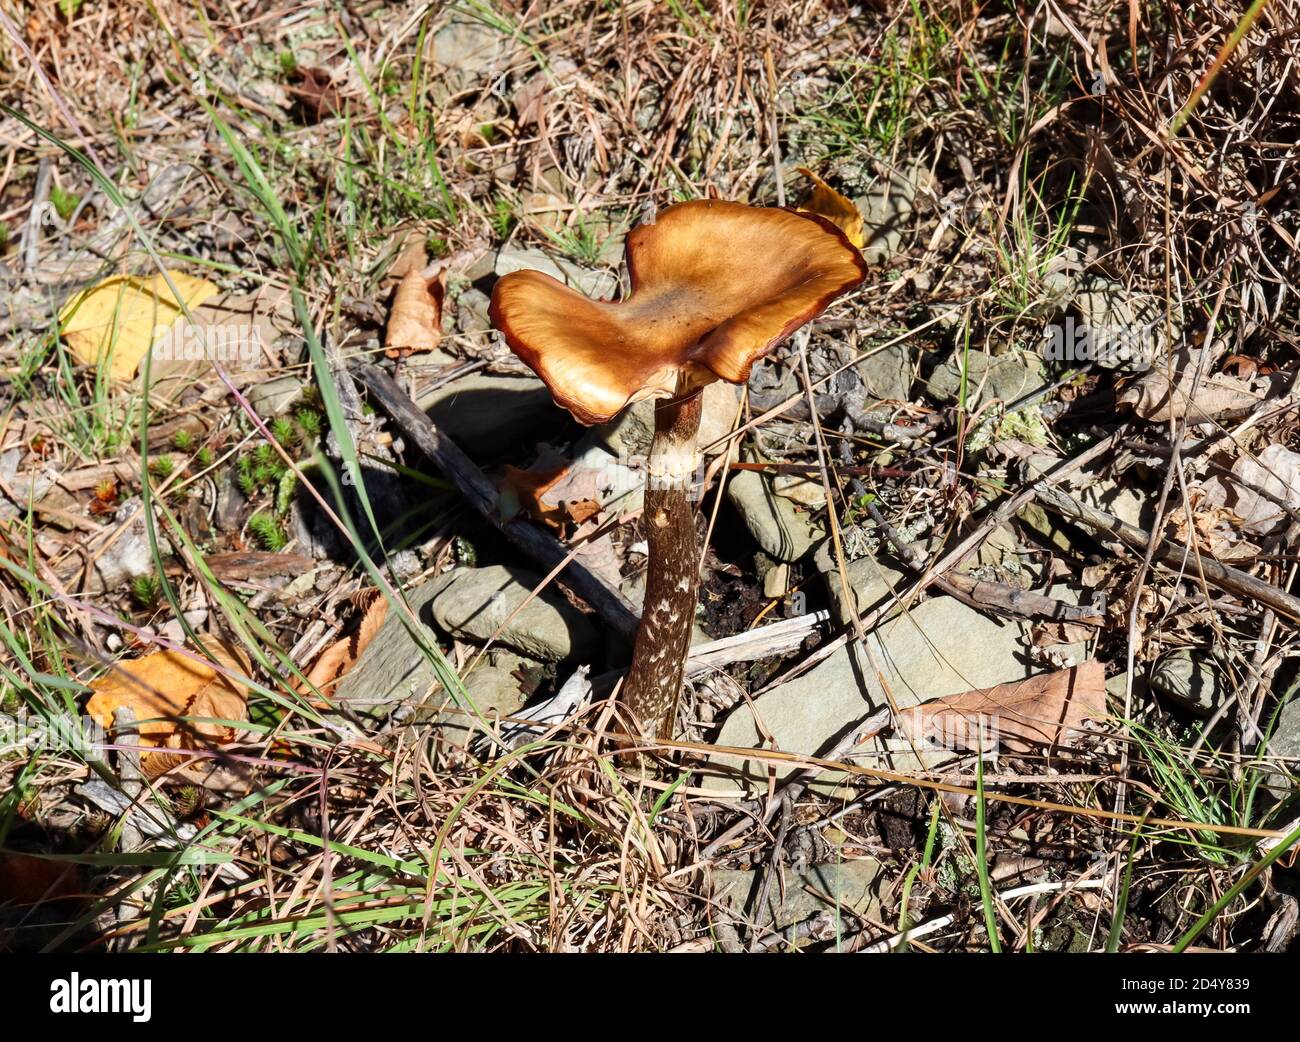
<point x="887" y="374"/>
<point x="941" y="647"/>
<point x="1004" y="377"/>
<point x="1286" y="743"/>
<point x="846" y="890"/>
<point x="599" y="284"/>
<point x="393" y="670"/>
<point x="1191" y="678"/>
<point x="887" y="209"/>
<point x="870" y="579"/>
<point x="467" y="48"/>
<point x="777" y="525"/>
<point x="472" y="312"/>
<point x="272" y="398"/>
<point x="472" y="604"/>
<point x="1125" y="328"/>
<point x="493" y="687"/>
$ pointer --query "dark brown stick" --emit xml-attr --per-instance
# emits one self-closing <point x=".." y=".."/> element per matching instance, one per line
<point x="654" y="681"/>
<point x="1178" y="558"/>
<point x="540" y="545"/>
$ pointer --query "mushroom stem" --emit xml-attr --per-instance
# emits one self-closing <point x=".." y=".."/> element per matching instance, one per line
<point x="663" y="639"/>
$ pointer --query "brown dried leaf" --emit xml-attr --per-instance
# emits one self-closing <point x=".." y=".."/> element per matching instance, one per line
<point x="415" y="320"/>
<point x="336" y="660"/>
<point x="1217" y="531"/>
<point x="316" y="95"/>
<point x="1045" y="634"/>
<point x="28" y="880"/>
<point x="411" y="254"/>
<point x="1157" y="399"/>
<point x="539" y="493"/>
<point x="1041" y="710"/>
<point x="252" y="565"/>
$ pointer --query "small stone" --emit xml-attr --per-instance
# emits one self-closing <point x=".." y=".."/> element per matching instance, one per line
<point x="776" y="583"/>
<point x="30" y="488"/>
<point x="493" y="687"/>
<point x="466" y="48"/>
<point x="887" y="374"/>
<point x="806" y="490"/>
<point x="1004" y="377"/>
<point x="472" y="604"/>
<point x="1130" y="504"/>
<point x="393" y="670"/>
<point x="472" y="312"/>
<point x="130" y="555"/>
<point x="275" y="397"/>
<point x="1124" y="328"/>
<point x="1285" y="743"/>
<point x="1191" y="679"/>
<point x="886" y="211"/>
<point x="598" y="284"/>
<point x="836" y="888"/>
<point x="546" y="210"/>
<point x="777" y="525"/>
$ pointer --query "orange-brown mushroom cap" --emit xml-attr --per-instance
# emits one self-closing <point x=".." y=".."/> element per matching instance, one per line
<point x="715" y="286"/>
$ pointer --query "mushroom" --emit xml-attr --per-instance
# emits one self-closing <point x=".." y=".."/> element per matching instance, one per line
<point x="715" y="287"/>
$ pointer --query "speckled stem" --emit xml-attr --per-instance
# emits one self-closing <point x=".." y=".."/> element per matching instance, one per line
<point x="654" y="681"/>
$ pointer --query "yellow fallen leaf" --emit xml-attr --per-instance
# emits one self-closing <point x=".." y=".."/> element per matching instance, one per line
<point x="124" y="315"/>
<point x="824" y="201"/>
<point x="166" y="685"/>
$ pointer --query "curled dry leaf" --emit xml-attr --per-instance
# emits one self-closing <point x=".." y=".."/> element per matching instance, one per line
<point x="1212" y="530"/>
<point x="824" y="201"/>
<point x="544" y="492"/>
<point x="1276" y="471"/>
<point x="165" y="686"/>
<point x="336" y="660"/>
<point x="415" y="320"/>
<point x="1016" y="716"/>
<point x="316" y="95"/>
<point x="1047" y="634"/>
<point x="1157" y="399"/>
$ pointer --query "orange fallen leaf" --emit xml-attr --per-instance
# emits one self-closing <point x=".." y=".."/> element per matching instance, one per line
<point x="824" y="201"/>
<point x="336" y="660"/>
<point x="415" y="319"/>
<point x="29" y="880"/>
<point x="526" y="491"/>
<point x="165" y="686"/>
<point x="1039" y="710"/>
